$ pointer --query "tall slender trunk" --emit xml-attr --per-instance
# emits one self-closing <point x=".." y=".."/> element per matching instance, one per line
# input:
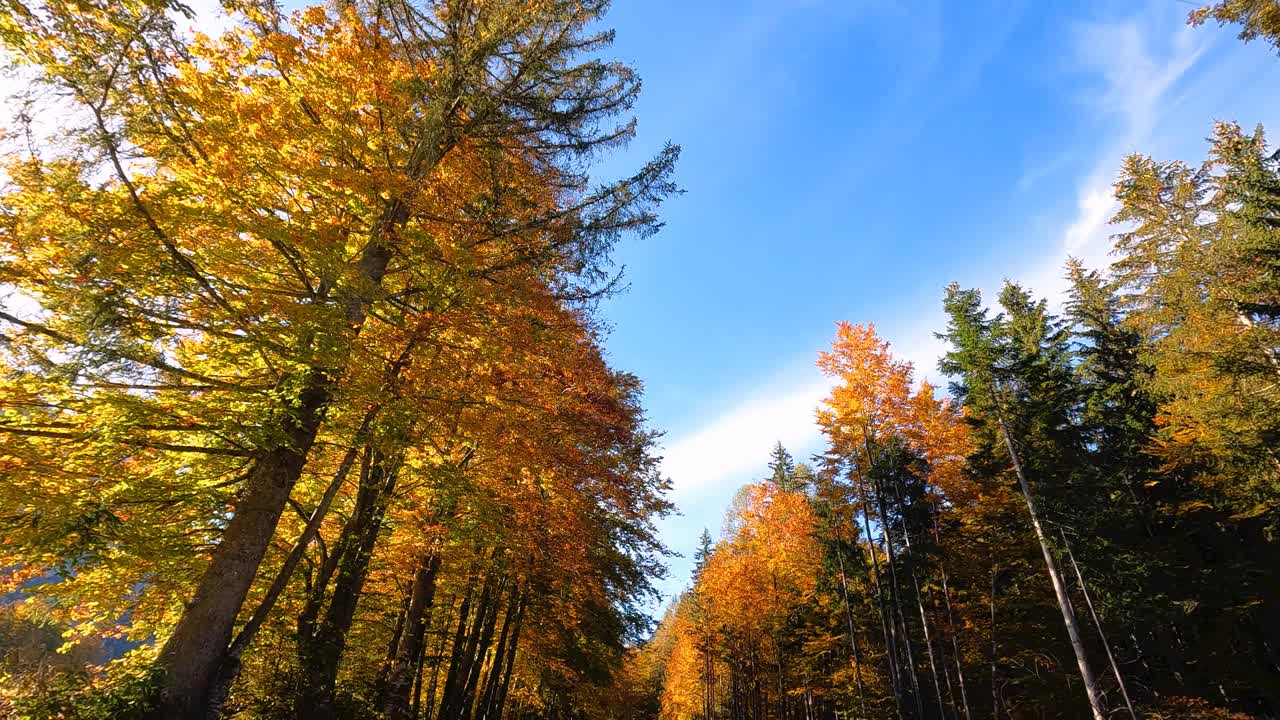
<point x="995" y="656"/>
<point x="196" y="651"/>
<point x="465" y="643"/>
<point x="230" y="667"/>
<point x="915" y="586"/>
<point x="393" y="648"/>
<point x="891" y="562"/>
<point x="951" y="625"/>
<point x="946" y="669"/>
<point x="928" y="644"/>
<point x="417" y="685"/>
<point x="501" y="701"/>
<point x="1055" y="577"/>
<point x="782" y="696"/>
<point x="445" y="624"/>
<point x="480" y="653"/>
<point x="853" y="635"/>
<point x="1102" y="634"/>
<point x="499" y="656"/>
<point x="320" y="649"/>
<point x="891" y="648"/>
<point x="955" y="647"/>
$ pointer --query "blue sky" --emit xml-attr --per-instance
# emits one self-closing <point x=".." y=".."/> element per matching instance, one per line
<point x="846" y="159"/>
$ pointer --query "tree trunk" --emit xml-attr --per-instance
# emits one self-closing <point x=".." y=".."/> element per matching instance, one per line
<point x="231" y="666"/>
<point x="891" y="647"/>
<point x="396" y="706"/>
<point x="445" y="623"/>
<point x="891" y="562"/>
<point x="915" y="586"/>
<point x="1059" y="588"/>
<point x="1102" y="635"/>
<point x="477" y="658"/>
<point x="951" y="625"/>
<point x="492" y="683"/>
<point x="321" y="649"/>
<point x="196" y="651"/>
<point x="464" y="646"/>
<point x="995" y="688"/>
<point x="501" y="701"/>
<point x="393" y="647"/>
<point x="853" y="636"/>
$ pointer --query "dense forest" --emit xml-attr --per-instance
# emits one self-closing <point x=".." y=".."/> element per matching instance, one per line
<point x="305" y="410"/>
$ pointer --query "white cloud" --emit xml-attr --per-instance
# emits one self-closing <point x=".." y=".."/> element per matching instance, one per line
<point x="1137" y="70"/>
<point x="1136" y="63"/>
<point x="735" y="444"/>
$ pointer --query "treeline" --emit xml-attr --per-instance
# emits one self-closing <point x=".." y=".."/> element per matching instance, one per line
<point x="1085" y="527"/>
<point x="302" y="398"/>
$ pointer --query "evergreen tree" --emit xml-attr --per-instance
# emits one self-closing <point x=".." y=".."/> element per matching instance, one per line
<point x="1016" y="377"/>
<point x="782" y="468"/>
<point x="702" y="555"/>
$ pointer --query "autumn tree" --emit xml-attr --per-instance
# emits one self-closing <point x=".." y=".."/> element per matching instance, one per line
<point x="242" y="223"/>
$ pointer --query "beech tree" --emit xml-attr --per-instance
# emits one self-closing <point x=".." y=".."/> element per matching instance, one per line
<point x="239" y="275"/>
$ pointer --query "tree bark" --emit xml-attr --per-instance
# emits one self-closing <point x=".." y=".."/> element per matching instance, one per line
<point x="491" y="684"/>
<point x="321" y="649"/>
<point x="196" y="651"/>
<point x="891" y="562"/>
<point x="915" y="586"/>
<point x="951" y="625"/>
<point x="1102" y="635"/>
<point x="464" y="644"/>
<point x="445" y="623"/>
<point x="478" y="654"/>
<point x="995" y="688"/>
<point x="891" y="648"/>
<point x="853" y="637"/>
<point x="1055" y="577"/>
<point x="507" y="671"/>
<point x="231" y="666"/>
<point x="397" y="706"/>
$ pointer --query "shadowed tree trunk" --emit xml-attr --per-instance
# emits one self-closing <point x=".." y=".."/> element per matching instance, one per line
<point x="500" y="699"/>
<point x="895" y="596"/>
<point x="397" y="705"/>
<point x="320" y="645"/>
<point x="494" y="679"/>
<point x="1102" y="635"/>
<point x="853" y="636"/>
<point x="891" y="648"/>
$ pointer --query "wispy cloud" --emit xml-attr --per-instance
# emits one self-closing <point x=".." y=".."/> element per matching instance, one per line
<point x="1136" y="71"/>
<point x="733" y="445"/>
<point x="1135" y="66"/>
<point x="736" y="442"/>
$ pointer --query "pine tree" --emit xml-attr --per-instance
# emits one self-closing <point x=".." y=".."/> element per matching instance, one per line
<point x="782" y="468"/>
<point x="702" y="555"/>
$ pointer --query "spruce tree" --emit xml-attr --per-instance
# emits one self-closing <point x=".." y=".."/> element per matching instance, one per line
<point x="782" y="468"/>
<point x="1014" y="375"/>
